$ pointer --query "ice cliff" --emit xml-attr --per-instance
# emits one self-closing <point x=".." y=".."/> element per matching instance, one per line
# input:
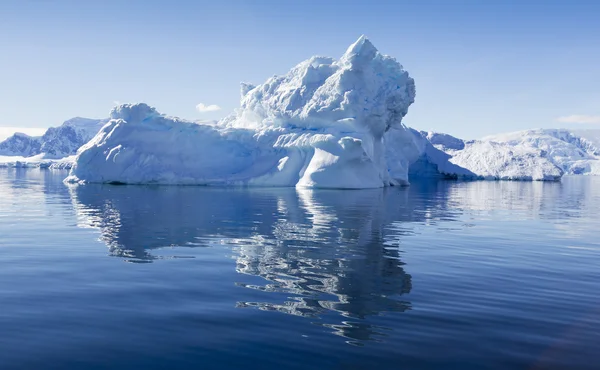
<point x="326" y="123"/>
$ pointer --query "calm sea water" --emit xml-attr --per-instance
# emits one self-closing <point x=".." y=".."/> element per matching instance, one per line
<point x="477" y="275"/>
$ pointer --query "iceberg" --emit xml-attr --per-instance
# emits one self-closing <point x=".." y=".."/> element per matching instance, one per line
<point x="325" y="124"/>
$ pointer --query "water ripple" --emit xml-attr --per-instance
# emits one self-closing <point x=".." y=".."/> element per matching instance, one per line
<point x="471" y="275"/>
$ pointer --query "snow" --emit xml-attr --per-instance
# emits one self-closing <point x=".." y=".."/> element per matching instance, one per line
<point x="55" y="143"/>
<point x="56" y="148"/>
<point x="497" y="161"/>
<point x="414" y="154"/>
<point x="20" y="144"/>
<point x="576" y="152"/>
<point x="488" y="160"/>
<point x="325" y="124"/>
<point x="8" y="131"/>
<point x="36" y="161"/>
<point x="540" y="154"/>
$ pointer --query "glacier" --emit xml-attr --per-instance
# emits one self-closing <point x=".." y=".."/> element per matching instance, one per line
<point x="576" y="152"/>
<point x="536" y="153"/>
<point x="325" y="124"/>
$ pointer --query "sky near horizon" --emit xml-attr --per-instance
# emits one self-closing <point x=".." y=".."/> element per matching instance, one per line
<point x="480" y="67"/>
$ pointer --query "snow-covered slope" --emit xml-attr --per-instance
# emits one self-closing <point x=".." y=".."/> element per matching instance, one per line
<point x="20" y="144"/>
<point x="56" y="143"/>
<point x="36" y="161"/>
<point x="574" y="152"/>
<point x="327" y="123"/>
<point x="500" y="161"/>
<point x="496" y="161"/>
<point x="62" y="141"/>
<point x="8" y="131"/>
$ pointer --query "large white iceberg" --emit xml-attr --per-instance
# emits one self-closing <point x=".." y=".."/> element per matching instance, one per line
<point x="327" y="123"/>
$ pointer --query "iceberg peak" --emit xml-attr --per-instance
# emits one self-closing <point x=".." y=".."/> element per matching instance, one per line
<point x="360" y="53"/>
<point x="245" y="88"/>
<point x="133" y="112"/>
<point x="362" y="91"/>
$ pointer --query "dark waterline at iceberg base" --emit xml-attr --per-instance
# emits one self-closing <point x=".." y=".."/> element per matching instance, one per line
<point x="475" y="275"/>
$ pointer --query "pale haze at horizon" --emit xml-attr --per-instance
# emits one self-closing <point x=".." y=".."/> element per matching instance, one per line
<point x="480" y="67"/>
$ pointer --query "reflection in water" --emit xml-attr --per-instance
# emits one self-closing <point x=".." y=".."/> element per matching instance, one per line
<point x="330" y="253"/>
<point x="327" y="249"/>
<point x="25" y="183"/>
<point x="37" y="186"/>
<point x="320" y="253"/>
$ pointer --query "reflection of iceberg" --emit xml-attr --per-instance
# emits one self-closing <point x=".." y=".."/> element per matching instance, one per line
<point x="334" y="258"/>
<point x="347" y="268"/>
<point x="320" y="254"/>
<point x="327" y="250"/>
<point x="135" y="220"/>
<point x="33" y="184"/>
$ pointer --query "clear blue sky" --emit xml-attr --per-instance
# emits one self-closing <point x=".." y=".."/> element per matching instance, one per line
<point x="480" y="67"/>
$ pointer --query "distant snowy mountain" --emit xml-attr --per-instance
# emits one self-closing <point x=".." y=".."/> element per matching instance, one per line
<point x="57" y="142"/>
<point x="574" y="152"/>
<point x="20" y="144"/>
<point x="62" y="141"/>
<point x="8" y="131"/>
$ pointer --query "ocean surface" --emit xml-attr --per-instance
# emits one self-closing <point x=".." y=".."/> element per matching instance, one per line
<point x="439" y="275"/>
